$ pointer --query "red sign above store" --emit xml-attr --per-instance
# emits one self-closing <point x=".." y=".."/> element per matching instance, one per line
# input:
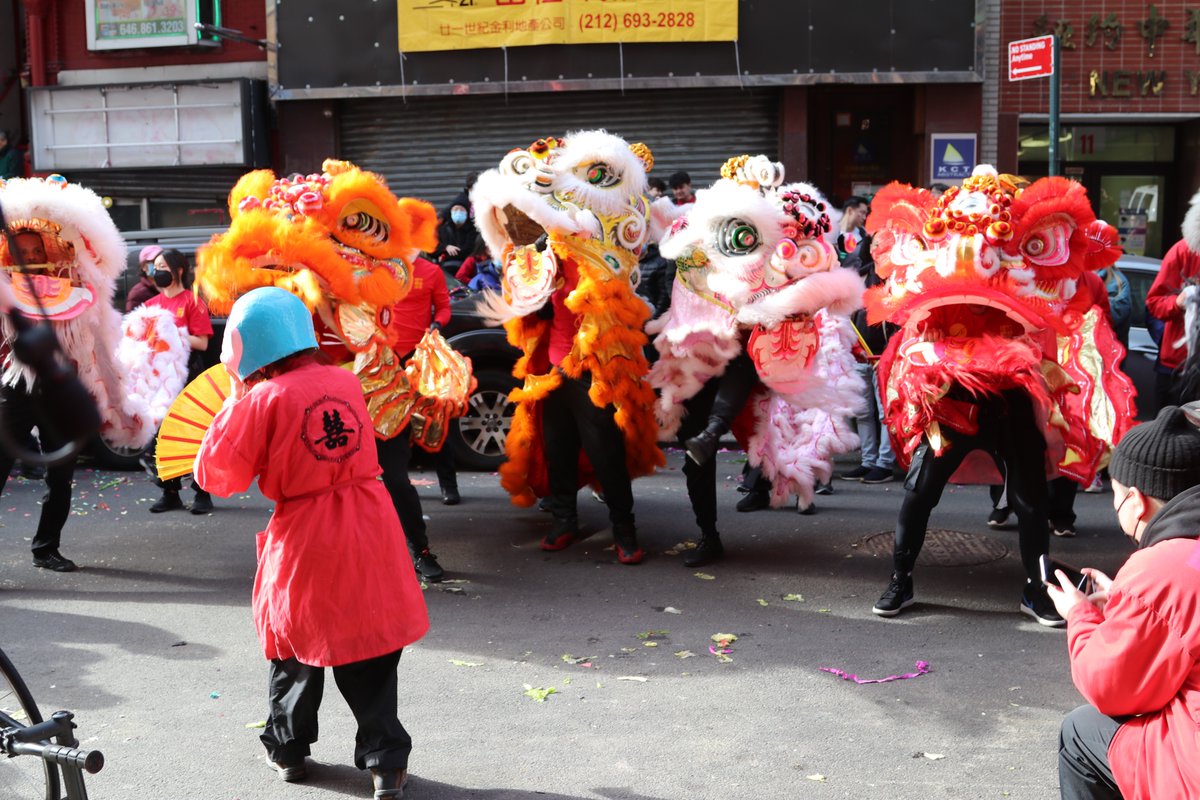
<point x="1031" y="58"/>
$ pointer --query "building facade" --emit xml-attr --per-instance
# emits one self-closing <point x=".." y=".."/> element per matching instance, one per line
<point x="1129" y="105"/>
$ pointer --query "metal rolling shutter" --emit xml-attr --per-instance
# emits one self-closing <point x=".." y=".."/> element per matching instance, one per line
<point x="427" y="146"/>
<point x="178" y="183"/>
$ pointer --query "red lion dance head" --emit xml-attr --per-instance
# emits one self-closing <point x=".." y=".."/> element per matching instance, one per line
<point x="985" y="283"/>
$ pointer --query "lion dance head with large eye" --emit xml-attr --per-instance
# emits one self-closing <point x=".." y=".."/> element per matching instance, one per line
<point x="74" y="254"/>
<point x="754" y="272"/>
<point x="557" y="211"/>
<point x="341" y="242"/>
<point x="984" y="282"/>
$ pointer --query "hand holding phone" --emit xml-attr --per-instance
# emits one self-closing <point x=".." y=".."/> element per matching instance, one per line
<point x="1075" y="575"/>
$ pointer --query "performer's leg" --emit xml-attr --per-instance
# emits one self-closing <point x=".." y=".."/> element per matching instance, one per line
<point x="561" y="445"/>
<point x="868" y="422"/>
<point x="294" y="693"/>
<point x="604" y="444"/>
<point x="927" y="478"/>
<point x="394" y="455"/>
<point x="369" y="688"/>
<point x="57" y="507"/>
<point x="734" y="388"/>
<point x="1061" y="505"/>
<point x="1020" y="442"/>
<point x="447" y="475"/>
<point x="701" y="481"/>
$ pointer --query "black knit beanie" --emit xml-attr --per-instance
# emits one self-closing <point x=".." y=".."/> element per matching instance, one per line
<point x="1161" y="458"/>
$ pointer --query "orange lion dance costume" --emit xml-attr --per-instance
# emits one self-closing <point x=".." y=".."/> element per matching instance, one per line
<point x="567" y="218"/>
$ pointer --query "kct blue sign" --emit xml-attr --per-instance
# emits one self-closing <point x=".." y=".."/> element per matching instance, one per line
<point x="952" y="157"/>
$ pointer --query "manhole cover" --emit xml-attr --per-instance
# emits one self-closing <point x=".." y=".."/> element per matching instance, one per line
<point x="942" y="548"/>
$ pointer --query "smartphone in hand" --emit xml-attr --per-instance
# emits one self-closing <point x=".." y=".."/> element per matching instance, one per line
<point x="1048" y="566"/>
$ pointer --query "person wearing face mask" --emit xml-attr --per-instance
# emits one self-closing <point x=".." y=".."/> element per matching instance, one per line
<point x="457" y="236"/>
<point x="1134" y="640"/>
<point x="192" y="318"/>
<point x="144" y="289"/>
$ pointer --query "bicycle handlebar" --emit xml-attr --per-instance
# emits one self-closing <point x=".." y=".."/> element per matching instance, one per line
<point x="90" y="761"/>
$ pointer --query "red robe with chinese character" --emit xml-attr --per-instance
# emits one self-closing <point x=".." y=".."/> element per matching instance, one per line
<point x="335" y="583"/>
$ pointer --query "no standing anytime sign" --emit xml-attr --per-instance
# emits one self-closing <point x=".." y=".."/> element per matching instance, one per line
<point x="1031" y="58"/>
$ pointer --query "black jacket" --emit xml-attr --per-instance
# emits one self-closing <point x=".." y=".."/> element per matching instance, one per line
<point x="861" y="261"/>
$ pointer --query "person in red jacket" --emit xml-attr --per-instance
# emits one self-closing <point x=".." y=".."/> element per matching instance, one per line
<point x="425" y="307"/>
<point x="334" y="587"/>
<point x="1164" y="301"/>
<point x="1134" y="643"/>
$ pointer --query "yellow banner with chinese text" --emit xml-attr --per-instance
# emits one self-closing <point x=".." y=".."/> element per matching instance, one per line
<point x="427" y="25"/>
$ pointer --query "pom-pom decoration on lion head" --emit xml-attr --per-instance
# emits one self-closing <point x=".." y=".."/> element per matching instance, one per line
<point x="341" y="242"/>
<point x="559" y="210"/>
<point x="75" y="253"/>
<point x="751" y="256"/>
<point x="985" y="284"/>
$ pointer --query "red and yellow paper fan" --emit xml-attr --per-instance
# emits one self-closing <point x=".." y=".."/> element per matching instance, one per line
<point x="187" y="420"/>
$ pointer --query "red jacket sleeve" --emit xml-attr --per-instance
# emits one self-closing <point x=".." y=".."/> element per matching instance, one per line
<point x="466" y="271"/>
<point x="441" y="298"/>
<point x="234" y="446"/>
<point x="1161" y="298"/>
<point x="1127" y="659"/>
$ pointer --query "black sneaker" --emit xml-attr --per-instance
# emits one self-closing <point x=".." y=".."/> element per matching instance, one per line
<point x="896" y="597"/>
<point x="565" y="531"/>
<point x="824" y="488"/>
<point x="170" y="501"/>
<point x="54" y="561"/>
<point x="1035" y="602"/>
<point x="202" y="504"/>
<point x="856" y="474"/>
<point x="806" y="511"/>
<point x="1000" y="517"/>
<point x="428" y="567"/>
<point x="451" y="497"/>
<point x="754" y="501"/>
<point x="388" y="783"/>
<point x="708" y="550"/>
<point x="879" y="475"/>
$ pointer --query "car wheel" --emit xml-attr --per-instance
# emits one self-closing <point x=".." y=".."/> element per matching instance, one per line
<point x="477" y="437"/>
<point x="109" y="456"/>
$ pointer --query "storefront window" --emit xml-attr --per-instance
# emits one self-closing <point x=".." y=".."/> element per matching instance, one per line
<point x="1133" y="204"/>
<point x="1099" y="143"/>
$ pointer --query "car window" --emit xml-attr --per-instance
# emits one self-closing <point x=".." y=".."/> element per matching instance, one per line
<point x="1139" y="285"/>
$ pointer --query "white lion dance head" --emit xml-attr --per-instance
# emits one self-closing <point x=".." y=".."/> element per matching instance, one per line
<point x="75" y="254"/>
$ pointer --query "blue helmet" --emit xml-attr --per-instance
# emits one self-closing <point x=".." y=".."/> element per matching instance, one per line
<point x="265" y="325"/>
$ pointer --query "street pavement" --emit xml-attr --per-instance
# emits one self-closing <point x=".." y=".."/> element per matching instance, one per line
<point x="152" y="645"/>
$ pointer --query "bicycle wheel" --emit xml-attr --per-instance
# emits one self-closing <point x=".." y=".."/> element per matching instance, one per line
<point x="23" y="777"/>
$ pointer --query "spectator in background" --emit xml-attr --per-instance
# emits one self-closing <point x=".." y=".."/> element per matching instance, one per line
<point x="1165" y="300"/>
<point x="681" y="188"/>
<point x="1134" y="640"/>
<point x="425" y="307"/>
<point x="850" y="229"/>
<point x="878" y="461"/>
<point x="457" y="236"/>
<point x="144" y="289"/>
<point x="12" y="162"/>
<point x="480" y="271"/>
<point x="655" y="188"/>
<point x="938" y="189"/>
<point x="1120" y="302"/>
<point x="193" y="320"/>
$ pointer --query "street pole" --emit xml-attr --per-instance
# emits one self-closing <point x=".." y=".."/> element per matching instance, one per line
<point x="1054" y="92"/>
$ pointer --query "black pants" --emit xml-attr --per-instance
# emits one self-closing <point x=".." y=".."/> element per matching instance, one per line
<point x="369" y="688"/>
<point x="1083" y="769"/>
<point x="447" y="472"/>
<point x="17" y="415"/>
<point x="721" y="398"/>
<point x="1060" y="499"/>
<point x="570" y="422"/>
<point x="395" y="454"/>
<point x="1007" y="427"/>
